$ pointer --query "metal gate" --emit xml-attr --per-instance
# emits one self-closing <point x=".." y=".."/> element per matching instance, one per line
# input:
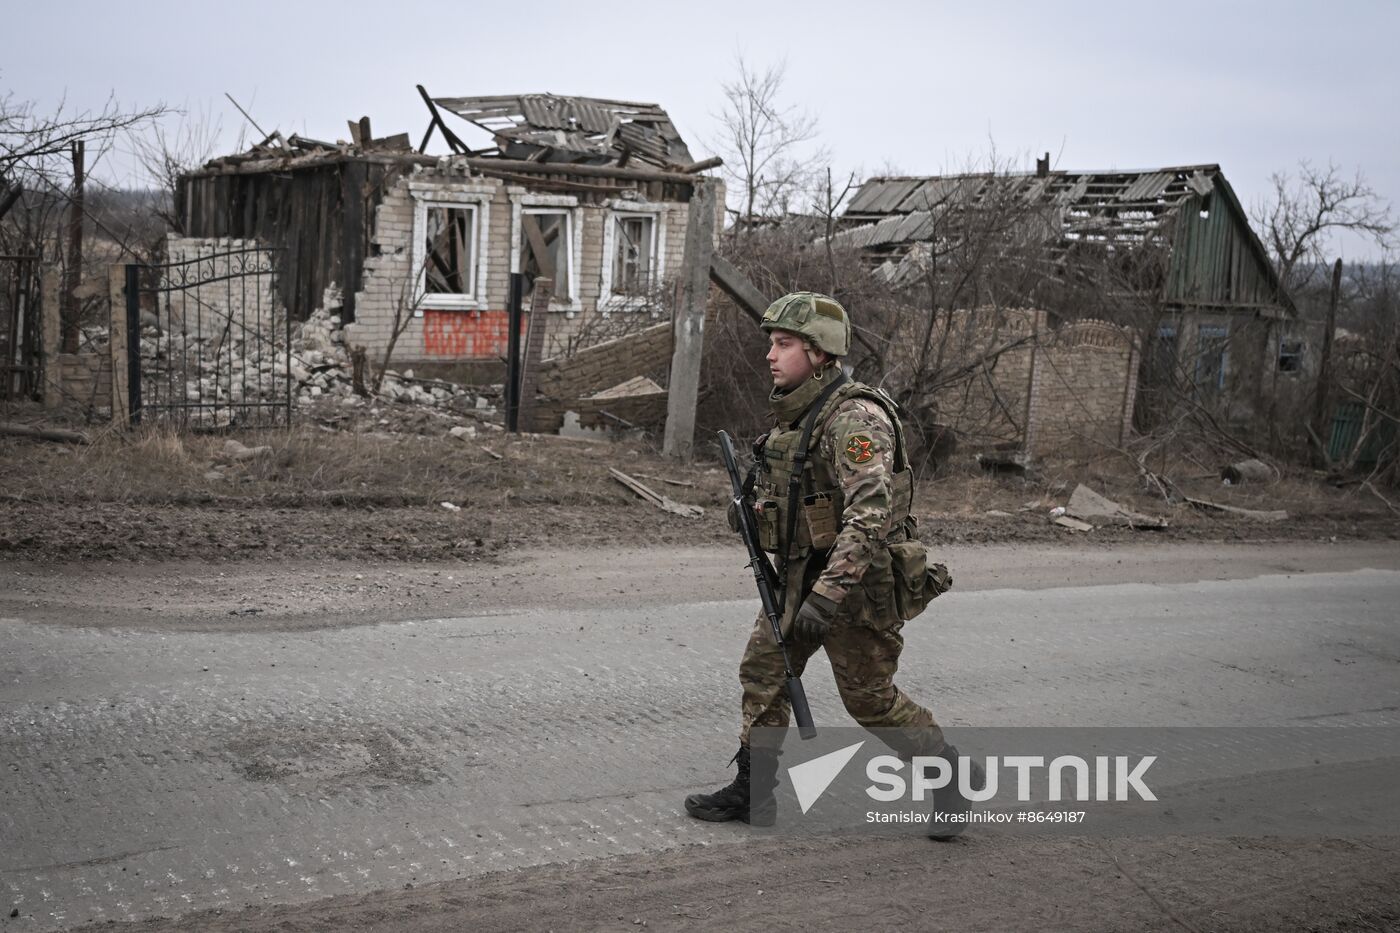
<point x="208" y="342"/>
<point x="20" y="338"/>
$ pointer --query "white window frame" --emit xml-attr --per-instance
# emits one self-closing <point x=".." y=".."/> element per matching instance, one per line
<point x="429" y="196"/>
<point x="607" y="301"/>
<point x="522" y="203"/>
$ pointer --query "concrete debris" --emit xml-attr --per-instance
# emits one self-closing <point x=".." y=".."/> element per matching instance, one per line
<point x="1248" y="471"/>
<point x="451" y="507"/>
<point x="226" y="368"/>
<point x="1073" y="524"/>
<point x="636" y="386"/>
<point x="233" y="450"/>
<point x="1084" y="503"/>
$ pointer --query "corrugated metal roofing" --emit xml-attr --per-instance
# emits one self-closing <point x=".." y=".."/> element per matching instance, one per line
<point x="1217" y="259"/>
<point x="577" y="125"/>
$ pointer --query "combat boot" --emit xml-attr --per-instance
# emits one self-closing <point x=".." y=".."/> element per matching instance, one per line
<point x="749" y="797"/>
<point x="949" y="800"/>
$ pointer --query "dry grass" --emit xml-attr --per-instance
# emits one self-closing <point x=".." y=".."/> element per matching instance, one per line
<point x="310" y="466"/>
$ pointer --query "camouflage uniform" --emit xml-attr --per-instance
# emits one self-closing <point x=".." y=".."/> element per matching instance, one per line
<point x="842" y="532"/>
<point x="853" y="452"/>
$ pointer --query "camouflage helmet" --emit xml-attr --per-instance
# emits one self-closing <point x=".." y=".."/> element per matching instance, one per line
<point x="819" y="318"/>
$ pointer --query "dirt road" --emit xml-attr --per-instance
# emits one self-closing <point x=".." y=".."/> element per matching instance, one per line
<point x="440" y="747"/>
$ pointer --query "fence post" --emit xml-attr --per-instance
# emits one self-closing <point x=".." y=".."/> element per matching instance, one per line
<point x="514" y="313"/>
<point x="50" y="369"/>
<point x="689" y="325"/>
<point x="117" y="344"/>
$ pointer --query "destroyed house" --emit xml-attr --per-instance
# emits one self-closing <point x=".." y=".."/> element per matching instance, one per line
<point x="1225" y="323"/>
<point x="591" y="194"/>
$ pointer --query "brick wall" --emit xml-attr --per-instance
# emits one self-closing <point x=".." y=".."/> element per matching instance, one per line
<point x="84" y="379"/>
<point x="1063" y="391"/>
<point x="564" y="380"/>
<point x="1084" y="388"/>
<point x="235" y="290"/>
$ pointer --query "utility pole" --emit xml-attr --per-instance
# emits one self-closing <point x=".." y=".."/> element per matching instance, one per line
<point x="689" y="324"/>
<point x="73" y="276"/>
<point x="1324" y="363"/>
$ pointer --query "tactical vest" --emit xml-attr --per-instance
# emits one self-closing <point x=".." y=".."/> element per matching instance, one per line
<point x="820" y="504"/>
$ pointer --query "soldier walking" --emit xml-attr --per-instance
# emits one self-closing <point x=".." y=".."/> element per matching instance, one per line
<point x="833" y="542"/>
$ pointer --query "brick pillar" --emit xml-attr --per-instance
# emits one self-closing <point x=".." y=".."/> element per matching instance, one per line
<point x="50" y="373"/>
<point x="116" y="343"/>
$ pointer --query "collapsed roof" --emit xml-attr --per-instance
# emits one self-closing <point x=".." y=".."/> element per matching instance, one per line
<point x="1117" y="206"/>
<point x="1217" y="259"/>
<point x="552" y="128"/>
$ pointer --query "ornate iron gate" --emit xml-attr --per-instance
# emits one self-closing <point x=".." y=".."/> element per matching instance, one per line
<point x="208" y="342"/>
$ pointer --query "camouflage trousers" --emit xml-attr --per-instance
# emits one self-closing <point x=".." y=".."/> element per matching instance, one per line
<point x="864" y="653"/>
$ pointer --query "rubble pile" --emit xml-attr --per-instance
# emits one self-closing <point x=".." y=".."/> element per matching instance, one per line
<point x="235" y="368"/>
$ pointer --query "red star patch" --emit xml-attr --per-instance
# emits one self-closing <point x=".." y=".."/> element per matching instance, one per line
<point x="859" y="448"/>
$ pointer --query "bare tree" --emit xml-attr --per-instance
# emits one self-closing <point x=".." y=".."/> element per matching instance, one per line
<point x="762" y="142"/>
<point x="1300" y="217"/>
<point x="169" y="151"/>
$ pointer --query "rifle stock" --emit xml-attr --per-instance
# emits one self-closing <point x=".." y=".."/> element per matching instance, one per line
<point x="767" y="590"/>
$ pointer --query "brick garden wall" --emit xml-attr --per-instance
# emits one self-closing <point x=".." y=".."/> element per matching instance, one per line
<point x="1084" y="388"/>
<point x="1060" y="391"/>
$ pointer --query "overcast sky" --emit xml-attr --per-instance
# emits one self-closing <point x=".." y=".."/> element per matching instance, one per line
<point x="923" y="87"/>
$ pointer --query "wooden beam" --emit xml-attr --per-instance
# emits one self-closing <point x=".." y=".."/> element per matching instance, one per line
<point x="738" y="287"/>
<point x="580" y="169"/>
<point x="703" y="165"/>
<point x="457" y="145"/>
<point x="689" y="325"/>
<point x="543" y="259"/>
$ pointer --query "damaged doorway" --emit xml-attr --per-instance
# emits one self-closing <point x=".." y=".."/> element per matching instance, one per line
<point x="546" y="249"/>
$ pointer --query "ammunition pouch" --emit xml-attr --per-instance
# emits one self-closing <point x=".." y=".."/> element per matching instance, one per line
<point x="769" y="518"/>
<point x="917" y="580"/>
<point x="819" y="520"/>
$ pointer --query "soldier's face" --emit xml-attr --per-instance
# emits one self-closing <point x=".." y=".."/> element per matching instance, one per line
<point x="787" y="359"/>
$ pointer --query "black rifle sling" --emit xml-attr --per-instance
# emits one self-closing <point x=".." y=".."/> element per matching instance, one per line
<point x="795" y="480"/>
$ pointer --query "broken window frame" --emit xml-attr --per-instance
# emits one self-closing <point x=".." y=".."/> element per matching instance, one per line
<point x="1291" y="353"/>
<point x="426" y="198"/>
<point x="535" y="205"/>
<point x="612" y="298"/>
<point x="1212" y="358"/>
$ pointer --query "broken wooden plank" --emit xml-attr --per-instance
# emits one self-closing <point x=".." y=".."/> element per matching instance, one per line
<point x="737" y="286"/>
<point x="1272" y="515"/>
<point x="1073" y="524"/>
<point x="661" y="502"/>
<point x="494" y="455"/>
<point x="14" y="429"/>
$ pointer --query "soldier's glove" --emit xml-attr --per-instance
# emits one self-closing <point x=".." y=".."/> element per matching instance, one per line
<point x="813" y="619"/>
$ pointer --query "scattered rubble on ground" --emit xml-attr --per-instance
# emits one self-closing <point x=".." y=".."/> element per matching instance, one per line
<point x="1269" y="515"/>
<point x="647" y="494"/>
<point x="1248" y="471"/>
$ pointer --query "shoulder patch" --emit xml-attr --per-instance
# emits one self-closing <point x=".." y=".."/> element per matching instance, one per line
<point x="859" y="448"/>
